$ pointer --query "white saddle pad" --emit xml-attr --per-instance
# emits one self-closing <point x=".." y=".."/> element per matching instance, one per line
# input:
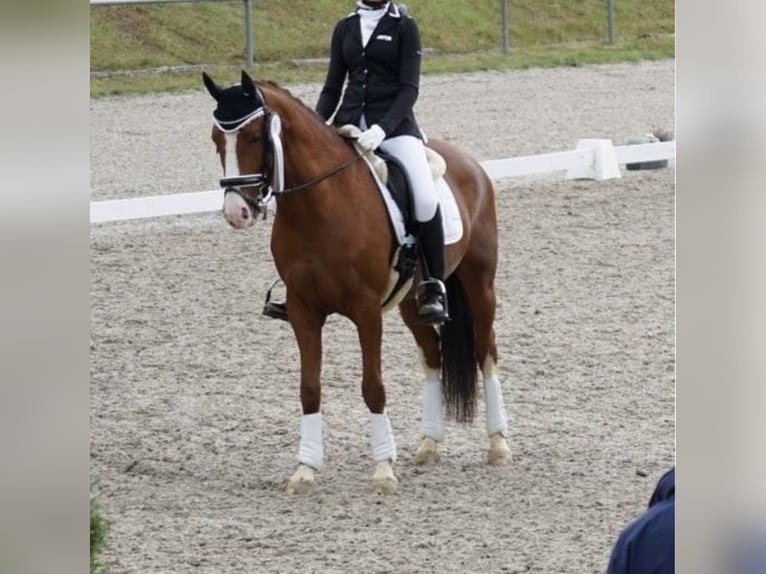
<point x="453" y="225"/>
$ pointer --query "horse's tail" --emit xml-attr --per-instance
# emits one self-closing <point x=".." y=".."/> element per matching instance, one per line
<point x="459" y="366"/>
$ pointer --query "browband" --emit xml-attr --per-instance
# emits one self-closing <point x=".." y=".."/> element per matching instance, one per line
<point x="229" y="126"/>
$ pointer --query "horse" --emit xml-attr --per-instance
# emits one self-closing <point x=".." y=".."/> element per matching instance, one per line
<point x="333" y="246"/>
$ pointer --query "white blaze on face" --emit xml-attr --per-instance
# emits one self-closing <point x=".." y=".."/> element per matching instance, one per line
<point x="231" y="162"/>
<point x="235" y="210"/>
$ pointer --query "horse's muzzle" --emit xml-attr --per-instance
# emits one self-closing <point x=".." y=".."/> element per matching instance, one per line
<point x="241" y="215"/>
<point x="238" y="209"/>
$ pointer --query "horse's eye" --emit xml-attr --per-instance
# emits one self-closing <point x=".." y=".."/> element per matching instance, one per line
<point x="254" y="139"/>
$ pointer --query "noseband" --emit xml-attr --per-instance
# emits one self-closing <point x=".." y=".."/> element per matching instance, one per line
<point x="267" y="185"/>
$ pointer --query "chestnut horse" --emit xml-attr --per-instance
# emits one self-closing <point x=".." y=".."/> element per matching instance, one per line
<point x="334" y="246"/>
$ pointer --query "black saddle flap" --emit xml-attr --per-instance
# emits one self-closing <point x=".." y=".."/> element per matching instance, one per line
<point x="401" y="190"/>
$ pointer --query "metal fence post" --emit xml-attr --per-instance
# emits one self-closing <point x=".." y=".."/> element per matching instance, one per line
<point x="249" y="35"/>
<point x="610" y="20"/>
<point x="504" y="24"/>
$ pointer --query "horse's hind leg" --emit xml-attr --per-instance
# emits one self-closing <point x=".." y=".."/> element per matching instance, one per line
<point x="479" y="288"/>
<point x="432" y="422"/>
<point x="497" y="425"/>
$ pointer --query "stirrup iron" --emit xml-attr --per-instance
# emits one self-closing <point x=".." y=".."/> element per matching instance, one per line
<point x="273" y="309"/>
<point x="428" y="288"/>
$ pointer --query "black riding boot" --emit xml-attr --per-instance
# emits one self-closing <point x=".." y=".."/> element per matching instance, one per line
<point x="432" y="297"/>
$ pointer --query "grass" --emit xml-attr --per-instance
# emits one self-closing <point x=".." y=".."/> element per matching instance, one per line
<point x="458" y="35"/>
<point x="98" y="532"/>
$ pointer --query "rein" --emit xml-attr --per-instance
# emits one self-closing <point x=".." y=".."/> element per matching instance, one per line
<point x="325" y="175"/>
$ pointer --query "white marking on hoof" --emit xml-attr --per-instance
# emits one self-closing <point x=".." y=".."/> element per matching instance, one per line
<point x="384" y="481"/>
<point x="499" y="454"/>
<point x="302" y="481"/>
<point x="428" y="452"/>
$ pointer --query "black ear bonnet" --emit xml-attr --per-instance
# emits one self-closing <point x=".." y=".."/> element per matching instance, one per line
<point x="236" y="104"/>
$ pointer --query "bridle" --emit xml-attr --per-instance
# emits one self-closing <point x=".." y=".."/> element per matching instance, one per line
<point x="269" y="185"/>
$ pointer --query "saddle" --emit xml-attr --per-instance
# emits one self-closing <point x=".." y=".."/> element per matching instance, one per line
<point x="392" y="173"/>
<point x="394" y="176"/>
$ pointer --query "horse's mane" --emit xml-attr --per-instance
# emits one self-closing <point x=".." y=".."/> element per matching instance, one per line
<point x="305" y="110"/>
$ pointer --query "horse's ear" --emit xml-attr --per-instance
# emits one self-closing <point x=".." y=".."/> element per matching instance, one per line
<point x="251" y="89"/>
<point x="213" y="88"/>
<point x="248" y="86"/>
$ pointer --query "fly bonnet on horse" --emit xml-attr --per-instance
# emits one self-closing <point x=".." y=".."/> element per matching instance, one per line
<point x="237" y="105"/>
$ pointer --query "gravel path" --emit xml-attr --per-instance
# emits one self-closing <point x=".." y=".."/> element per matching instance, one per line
<point x="194" y="395"/>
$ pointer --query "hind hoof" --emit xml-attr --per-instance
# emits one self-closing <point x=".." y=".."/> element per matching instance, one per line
<point x="427" y="453"/>
<point x="499" y="454"/>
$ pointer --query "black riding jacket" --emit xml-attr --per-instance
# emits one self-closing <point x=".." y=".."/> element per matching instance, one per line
<point x="383" y="77"/>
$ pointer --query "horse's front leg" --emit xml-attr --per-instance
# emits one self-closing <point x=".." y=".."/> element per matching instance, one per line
<point x="369" y="323"/>
<point x="307" y="325"/>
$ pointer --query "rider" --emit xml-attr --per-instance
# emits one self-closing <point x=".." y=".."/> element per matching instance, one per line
<point x="378" y="47"/>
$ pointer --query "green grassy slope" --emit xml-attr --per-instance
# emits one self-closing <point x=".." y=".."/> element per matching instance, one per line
<point x="457" y="34"/>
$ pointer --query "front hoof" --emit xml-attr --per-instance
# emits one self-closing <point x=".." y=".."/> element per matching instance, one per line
<point x="385" y="485"/>
<point x="499" y="454"/>
<point x="427" y="453"/>
<point x="303" y="481"/>
<point x="384" y="481"/>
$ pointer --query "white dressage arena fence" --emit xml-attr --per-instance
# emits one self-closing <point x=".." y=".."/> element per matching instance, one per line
<point x="595" y="159"/>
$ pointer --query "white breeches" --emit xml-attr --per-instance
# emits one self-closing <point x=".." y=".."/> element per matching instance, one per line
<point x="410" y="151"/>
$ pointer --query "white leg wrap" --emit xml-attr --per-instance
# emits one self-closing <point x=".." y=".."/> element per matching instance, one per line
<point x="496" y="419"/>
<point x="433" y="420"/>
<point x="383" y="445"/>
<point x="311" y="451"/>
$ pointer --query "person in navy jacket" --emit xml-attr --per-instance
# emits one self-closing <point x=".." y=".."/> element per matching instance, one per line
<point x="647" y="545"/>
<point x="377" y="50"/>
